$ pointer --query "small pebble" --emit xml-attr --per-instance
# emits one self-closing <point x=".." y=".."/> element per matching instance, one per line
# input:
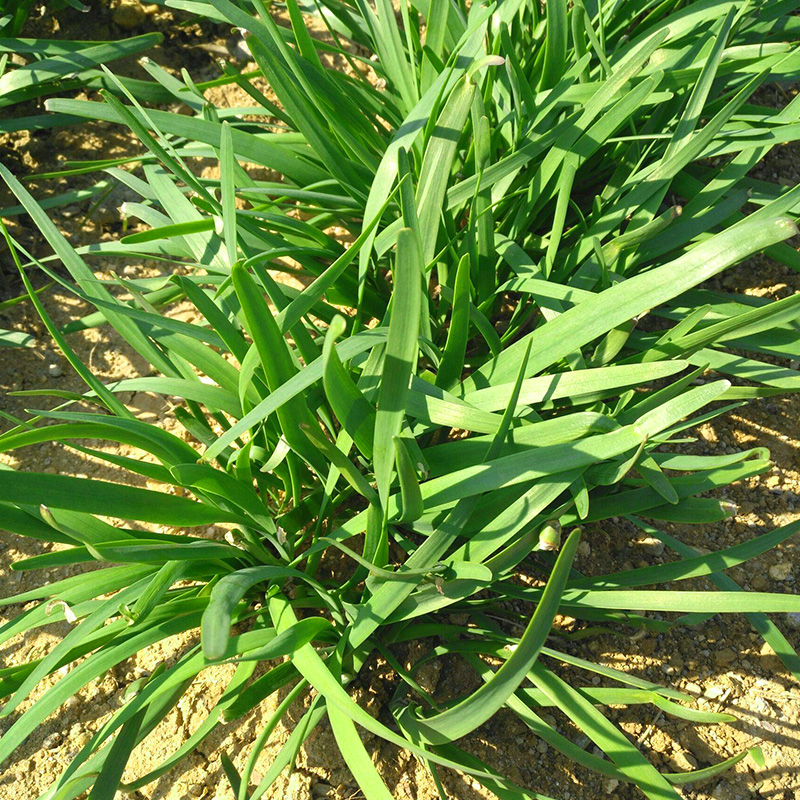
<point x="54" y="370"/>
<point x="129" y="15"/>
<point x="652" y="545"/>
<point x="724" y="791"/>
<point x="52" y="741"/>
<point x="762" y="706"/>
<point x="610" y="785"/>
<point x="780" y="572"/>
<point x="724" y="656"/>
<point x="793" y="620"/>
<point x="713" y="692"/>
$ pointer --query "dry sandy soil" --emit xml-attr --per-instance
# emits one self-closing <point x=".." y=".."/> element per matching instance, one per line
<point x="724" y="662"/>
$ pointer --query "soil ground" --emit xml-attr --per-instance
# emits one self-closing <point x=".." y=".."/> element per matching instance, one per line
<point x="723" y="662"/>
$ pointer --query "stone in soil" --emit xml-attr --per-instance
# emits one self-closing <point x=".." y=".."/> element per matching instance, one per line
<point x="129" y="15"/>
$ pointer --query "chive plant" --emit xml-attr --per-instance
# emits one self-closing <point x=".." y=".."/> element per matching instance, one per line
<point x="511" y="348"/>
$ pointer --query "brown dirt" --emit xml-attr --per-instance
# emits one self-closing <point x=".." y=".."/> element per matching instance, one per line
<point x="723" y="662"/>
